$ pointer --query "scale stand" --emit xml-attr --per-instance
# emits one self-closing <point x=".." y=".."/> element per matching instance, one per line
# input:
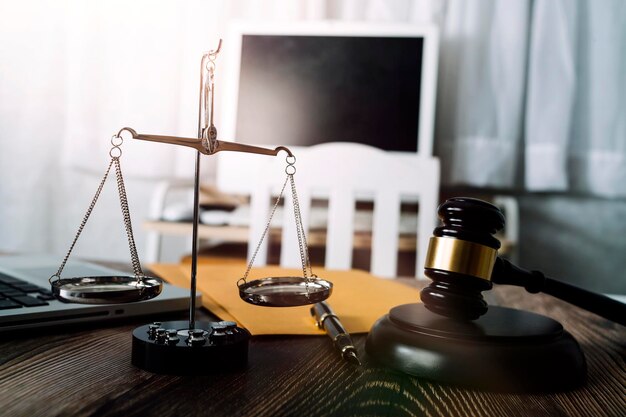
<point x="179" y="347"/>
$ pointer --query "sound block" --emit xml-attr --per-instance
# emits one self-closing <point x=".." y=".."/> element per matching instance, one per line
<point x="171" y="348"/>
<point x="504" y="350"/>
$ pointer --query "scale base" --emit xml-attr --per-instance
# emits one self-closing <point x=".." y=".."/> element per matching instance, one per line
<point x="505" y="350"/>
<point x="171" y="348"/>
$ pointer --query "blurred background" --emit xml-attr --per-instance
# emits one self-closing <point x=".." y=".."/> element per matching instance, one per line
<point x="530" y="103"/>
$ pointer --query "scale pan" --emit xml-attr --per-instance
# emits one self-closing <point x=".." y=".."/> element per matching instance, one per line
<point x="285" y="291"/>
<point x="106" y="289"/>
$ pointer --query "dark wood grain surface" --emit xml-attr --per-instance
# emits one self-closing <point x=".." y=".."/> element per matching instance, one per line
<point x="87" y="371"/>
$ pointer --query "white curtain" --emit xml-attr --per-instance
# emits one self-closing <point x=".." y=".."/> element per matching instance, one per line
<point x="537" y="87"/>
<point x="481" y="91"/>
<point x="73" y="72"/>
<point x="576" y="108"/>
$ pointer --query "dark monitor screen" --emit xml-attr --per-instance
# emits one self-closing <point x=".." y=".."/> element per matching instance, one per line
<point x="306" y="90"/>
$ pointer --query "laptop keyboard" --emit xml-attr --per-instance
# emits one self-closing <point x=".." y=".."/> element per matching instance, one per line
<point x="17" y="293"/>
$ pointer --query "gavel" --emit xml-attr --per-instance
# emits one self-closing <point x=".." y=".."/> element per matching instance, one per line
<point x="462" y="262"/>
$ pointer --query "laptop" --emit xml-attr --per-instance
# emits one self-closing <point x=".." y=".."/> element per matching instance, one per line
<point x="27" y="302"/>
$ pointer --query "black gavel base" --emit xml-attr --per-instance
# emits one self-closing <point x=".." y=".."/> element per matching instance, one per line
<point x="504" y="350"/>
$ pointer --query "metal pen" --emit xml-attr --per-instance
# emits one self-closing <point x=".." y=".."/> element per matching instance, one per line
<point x="326" y="319"/>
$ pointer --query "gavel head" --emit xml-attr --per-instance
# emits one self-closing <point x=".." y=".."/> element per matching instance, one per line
<point x="461" y="256"/>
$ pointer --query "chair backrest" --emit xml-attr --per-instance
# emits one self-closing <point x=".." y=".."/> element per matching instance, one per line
<point x="344" y="173"/>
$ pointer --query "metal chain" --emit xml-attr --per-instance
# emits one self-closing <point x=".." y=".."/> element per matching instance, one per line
<point x="115" y="153"/>
<point x="302" y="242"/>
<point x="84" y="222"/>
<point x="304" y="248"/>
<point x="127" y="222"/>
<point x="267" y="228"/>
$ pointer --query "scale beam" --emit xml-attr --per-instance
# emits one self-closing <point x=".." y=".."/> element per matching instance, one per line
<point x="206" y="146"/>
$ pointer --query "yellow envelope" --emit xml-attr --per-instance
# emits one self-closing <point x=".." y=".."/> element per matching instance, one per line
<point x="358" y="298"/>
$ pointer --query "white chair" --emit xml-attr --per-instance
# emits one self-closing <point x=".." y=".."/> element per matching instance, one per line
<point x="245" y="172"/>
<point x="345" y="173"/>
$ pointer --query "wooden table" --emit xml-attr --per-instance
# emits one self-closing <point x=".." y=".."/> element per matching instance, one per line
<point x="88" y="372"/>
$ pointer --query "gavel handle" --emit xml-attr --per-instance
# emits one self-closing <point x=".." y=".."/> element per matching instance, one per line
<point x="505" y="272"/>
